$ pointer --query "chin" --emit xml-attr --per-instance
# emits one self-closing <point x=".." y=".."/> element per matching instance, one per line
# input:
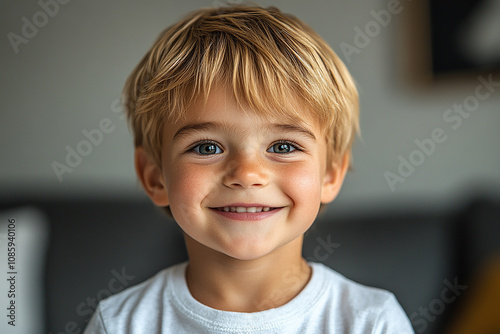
<point x="247" y="252"/>
<point x="246" y="256"/>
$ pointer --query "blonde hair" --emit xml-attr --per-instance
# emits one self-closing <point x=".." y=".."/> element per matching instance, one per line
<point x="262" y="54"/>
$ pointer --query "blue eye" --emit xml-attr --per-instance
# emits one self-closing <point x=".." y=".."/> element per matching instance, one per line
<point x="282" y="148"/>
<point x="207" y="149"/>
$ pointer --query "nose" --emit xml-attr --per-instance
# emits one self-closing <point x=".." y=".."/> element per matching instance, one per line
<point x="246" y="172"/>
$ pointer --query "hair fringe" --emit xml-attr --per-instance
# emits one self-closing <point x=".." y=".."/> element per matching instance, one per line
<point x="263" y="55"/>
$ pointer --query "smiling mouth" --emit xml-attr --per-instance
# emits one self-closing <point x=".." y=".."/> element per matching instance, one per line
<point x="241" y="209"/>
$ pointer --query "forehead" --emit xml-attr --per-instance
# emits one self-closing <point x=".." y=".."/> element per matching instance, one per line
<point x="221" y="107"/>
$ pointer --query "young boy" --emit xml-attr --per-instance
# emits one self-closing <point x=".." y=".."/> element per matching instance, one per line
<point x="243" y="121"/>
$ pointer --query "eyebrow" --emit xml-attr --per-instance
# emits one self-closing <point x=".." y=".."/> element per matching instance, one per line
<point x="197" y="127"/>
<point x="295" y="128"/>
<point x="210" y="126"/>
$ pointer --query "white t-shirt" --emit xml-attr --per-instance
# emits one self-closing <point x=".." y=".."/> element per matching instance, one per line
<point x="329" y="303"/>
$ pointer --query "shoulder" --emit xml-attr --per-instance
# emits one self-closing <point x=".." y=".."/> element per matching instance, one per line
<point x="356" y="307"/>
<point x="142" y="303"/>
<point x="350" y="292"/>
<point x="145" y="292"/>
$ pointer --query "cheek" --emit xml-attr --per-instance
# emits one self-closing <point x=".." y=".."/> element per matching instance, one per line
<point x="186" y="187"/>
<point x="302" y="184"/>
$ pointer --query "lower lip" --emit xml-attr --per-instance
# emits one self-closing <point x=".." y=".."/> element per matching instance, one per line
<point x="247" y="216"/>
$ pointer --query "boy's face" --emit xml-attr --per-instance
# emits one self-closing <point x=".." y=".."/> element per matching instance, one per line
<point x="238" y="183"/>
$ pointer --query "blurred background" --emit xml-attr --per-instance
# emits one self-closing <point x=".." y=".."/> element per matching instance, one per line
<point x="427" y="165"/>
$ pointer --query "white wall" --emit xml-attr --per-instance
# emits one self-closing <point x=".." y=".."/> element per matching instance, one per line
<point x="68" y="75"/>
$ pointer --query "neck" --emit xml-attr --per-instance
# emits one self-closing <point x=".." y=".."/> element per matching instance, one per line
<point x="225" y="283"/>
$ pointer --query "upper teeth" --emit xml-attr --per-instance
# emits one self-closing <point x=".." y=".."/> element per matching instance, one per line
<point x="244" y="209"/>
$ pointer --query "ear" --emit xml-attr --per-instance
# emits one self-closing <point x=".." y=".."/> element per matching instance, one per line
<point x="334" y="177"/>
<point x="151" y="177"/>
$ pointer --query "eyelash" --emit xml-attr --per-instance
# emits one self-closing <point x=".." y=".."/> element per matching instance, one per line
<point x="192" y="148"/>
<point x="296" y="146"/>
